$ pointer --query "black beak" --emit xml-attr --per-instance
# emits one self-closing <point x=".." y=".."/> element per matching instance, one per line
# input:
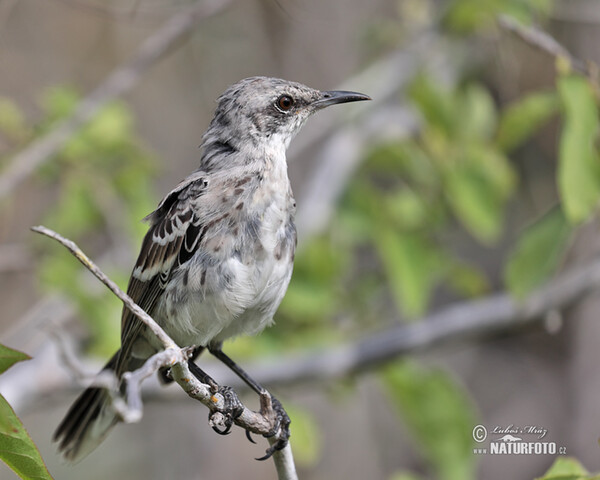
<point x="338" y="96"/>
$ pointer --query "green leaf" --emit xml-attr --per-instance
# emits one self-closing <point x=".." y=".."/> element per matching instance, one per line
<point x="409" y="262"/>
<point x="437" y="105"/>
<point x="405" y="476"/>
<point x="17" y="449"/>
<point x="522" y="118"/>
<point x="566" y="468"/>
<point x="407" y="209"/>
<point x="58" y="102"/>
<point x="439" y="415"/>
<point x="468" y="16"/>
<point x="12" y="120"/>
<point x="467" y="279"/>
<point x="537" y="253"/>
<point x="477" y="188"/>
<point x="477" y="113"/>
<point x="579" y="165"/>
<point x="8" y="357"/>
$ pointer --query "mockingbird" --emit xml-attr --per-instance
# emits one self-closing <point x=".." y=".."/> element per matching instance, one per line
<point x="218" y="255"/>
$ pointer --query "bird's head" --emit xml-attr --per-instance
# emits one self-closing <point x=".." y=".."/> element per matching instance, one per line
<point x="270" y="110"/>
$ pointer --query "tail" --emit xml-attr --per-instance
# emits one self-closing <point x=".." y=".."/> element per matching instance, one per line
<point x="88" y="421"/>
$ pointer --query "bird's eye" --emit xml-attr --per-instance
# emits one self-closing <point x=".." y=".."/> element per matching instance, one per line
<point x="285" y="102"/>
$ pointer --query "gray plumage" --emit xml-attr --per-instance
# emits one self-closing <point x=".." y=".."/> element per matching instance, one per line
<point x="218" y="255"/>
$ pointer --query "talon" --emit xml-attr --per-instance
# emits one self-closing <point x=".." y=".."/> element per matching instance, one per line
<point x="221" y="420"/>
<point x="249" y="437"/>
<point x="281" y="428"/>
<point x="268" y="455"/>
<point x="226" y="431"/>
<point x="218" y="419"/>
<point x="279" y="445"/>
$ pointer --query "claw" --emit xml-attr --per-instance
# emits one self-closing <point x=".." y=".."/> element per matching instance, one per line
<point x="249" y="437"/>
<point x="226" y="431"/>
<point x="281" y="428"/>
<point x="231" y="410"/>
<point x="279" y="445"/>
<point x="268" y="455"/>
<point x="217" y="419"/>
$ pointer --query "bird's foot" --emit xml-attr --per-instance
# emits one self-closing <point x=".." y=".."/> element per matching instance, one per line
<point x="272" y="407"/>
<point x="221" y="420"/>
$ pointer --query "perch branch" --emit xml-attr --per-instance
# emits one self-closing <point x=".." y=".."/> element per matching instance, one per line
<point x="116" y="84"/>
<point x="262" y="422"/>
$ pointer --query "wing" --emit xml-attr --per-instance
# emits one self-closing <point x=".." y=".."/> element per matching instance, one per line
<point x="174" y="235"/>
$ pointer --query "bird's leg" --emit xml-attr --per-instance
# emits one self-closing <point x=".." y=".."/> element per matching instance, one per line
<point x="282" y="418"/>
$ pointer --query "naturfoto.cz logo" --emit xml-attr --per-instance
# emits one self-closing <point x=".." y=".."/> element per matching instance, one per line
<point x="511" y="440"/>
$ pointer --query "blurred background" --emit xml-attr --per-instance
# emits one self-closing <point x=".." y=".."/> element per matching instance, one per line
<point x="473" y="174"/>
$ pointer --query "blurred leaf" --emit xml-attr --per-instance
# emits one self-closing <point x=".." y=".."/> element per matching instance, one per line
<point x="566" y="468"/>
<point x="468" y="16"/>
<point x="309" y="300"/>
<point x="112" y="125"/>
<point x="579" y="165"/>
<point x="435" y="103"/>
<point x="8" y="357"/>
<point x="12" y="120"/>
<point x="58" y="102"/>
<point x="438" y="413"/>
<point x="76" y="211"/>
<point x="467" y="280"/>
<point x="406" y="209"/>
<point x="522" y="118"/>
<point x="537" y="253"/>
<point x="17" y="449"/>
<point x="411" y="265"/>
<point x="401" y="160"/>
<point x="404" y="476"/>
<point x="307" y="443"/>
<point x="477" y="113"/>
<point x="477" y="189"/>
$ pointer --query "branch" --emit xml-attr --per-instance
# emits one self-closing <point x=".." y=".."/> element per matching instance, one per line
<point x="263" y="422"/>
<point x="547" y="44"/>
<point x="117" y="83"/>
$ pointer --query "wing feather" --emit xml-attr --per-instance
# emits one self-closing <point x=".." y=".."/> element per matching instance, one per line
<point x="172" y="239"/>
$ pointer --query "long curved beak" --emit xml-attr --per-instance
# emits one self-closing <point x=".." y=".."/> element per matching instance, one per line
<point x="334" y="97"/>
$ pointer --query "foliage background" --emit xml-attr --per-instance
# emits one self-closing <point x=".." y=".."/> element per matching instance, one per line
<point x="495" y="186"/>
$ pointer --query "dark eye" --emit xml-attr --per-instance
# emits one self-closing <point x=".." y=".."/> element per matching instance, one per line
<point x="285" y="102"/>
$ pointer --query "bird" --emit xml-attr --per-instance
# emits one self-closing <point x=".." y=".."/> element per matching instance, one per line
<point x="218" y="255"/>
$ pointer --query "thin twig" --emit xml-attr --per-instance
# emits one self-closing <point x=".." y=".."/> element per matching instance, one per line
<point x="545" y="43"/>
<point x="167" y="341"/>
<point x="116" y="84"/>
<point x="176" y="358"/>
